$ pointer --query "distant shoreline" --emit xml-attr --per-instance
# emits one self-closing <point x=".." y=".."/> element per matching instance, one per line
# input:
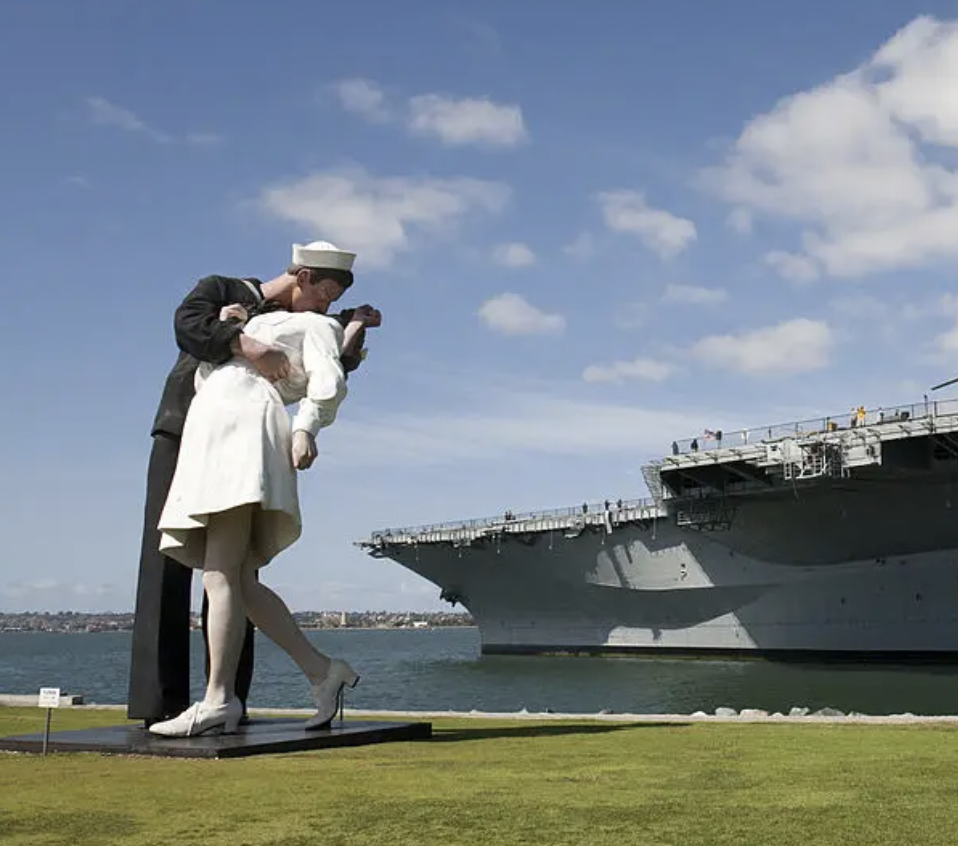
<point x="73" y="622"/>
<point x="304" y="628"/>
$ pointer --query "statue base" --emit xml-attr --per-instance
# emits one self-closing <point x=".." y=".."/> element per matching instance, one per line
<point x="262" y="735"/>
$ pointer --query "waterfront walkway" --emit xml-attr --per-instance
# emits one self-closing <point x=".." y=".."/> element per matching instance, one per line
<point x="747" y="715"/>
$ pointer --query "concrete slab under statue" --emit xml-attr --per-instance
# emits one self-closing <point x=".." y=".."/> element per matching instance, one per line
<point x="262" y="735"/>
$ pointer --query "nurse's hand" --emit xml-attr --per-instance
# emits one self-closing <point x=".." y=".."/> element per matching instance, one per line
<point x="368" y="315"/>
<point x="304" y="450"/>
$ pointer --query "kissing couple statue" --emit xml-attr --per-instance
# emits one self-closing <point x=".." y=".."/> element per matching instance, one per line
<point x="233" y="503"/>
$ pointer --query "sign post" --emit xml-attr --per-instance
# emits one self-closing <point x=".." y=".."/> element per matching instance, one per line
<point x="49" y="698"/>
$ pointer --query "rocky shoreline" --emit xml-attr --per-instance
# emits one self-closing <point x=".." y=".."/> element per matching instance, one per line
<point x="798" y="714"/>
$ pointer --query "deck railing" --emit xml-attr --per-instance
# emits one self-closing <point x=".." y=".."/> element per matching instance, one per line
<point x="717" y="439"/>
<point x="526" y="521"/>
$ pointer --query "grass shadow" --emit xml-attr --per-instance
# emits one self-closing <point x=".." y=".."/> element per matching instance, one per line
<point x="480" y="732"/>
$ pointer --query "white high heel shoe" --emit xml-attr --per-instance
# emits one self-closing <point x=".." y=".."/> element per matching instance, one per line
<point x="200" y="719"/>
<point x="328" y="694"/>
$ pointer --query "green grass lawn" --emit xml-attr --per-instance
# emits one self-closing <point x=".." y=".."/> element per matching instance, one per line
<point x="478" y="782"/>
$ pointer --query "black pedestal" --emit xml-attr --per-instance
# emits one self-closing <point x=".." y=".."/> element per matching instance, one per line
<point x="260" y="736"/>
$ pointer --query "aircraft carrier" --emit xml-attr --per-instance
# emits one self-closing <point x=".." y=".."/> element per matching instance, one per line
<point x="824" y="539"/>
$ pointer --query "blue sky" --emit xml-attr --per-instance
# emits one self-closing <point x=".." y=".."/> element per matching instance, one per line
<point x="589" y="235"/>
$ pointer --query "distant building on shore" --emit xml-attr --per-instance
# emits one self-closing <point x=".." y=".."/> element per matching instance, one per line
<point x="75" y="621"/>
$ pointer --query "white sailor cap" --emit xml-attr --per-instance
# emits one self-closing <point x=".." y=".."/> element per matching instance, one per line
<point x="322" y="255"/>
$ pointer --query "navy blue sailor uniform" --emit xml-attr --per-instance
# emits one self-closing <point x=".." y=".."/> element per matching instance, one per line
<point x="159" y="684"/>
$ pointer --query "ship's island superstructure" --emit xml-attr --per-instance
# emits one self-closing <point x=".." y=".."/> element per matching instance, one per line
<point x="832" y="537"/>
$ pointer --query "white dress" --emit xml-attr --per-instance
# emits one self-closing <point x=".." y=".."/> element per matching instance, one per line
<point x="237" y="438"/>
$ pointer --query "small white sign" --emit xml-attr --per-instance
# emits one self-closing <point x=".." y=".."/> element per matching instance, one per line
<point x="49" y="697"/>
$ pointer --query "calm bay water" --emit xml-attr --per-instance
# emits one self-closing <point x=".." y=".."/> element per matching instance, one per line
<point x="441" y="669"/>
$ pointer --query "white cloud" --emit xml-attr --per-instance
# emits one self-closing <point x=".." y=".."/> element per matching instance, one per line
<point x="105" y="113"/>
<point x="477" y="121"/>
<point x="792" y="266"/>
<point x="694" y="295"/>
<point x="81" y="589"/>
<point x="204" y="139"/>
<point x="79" y="181"/>
<point x="510" y="421"/>
<point x="901" y="318"/>
<point x="631" y="315"/>
<point x="510" y="314"/>
<point x="47" y="593"/>
<point x="621" y="371"/>
<point x="661" y="231"/>
<point x="362" y="97"/>
<point x="581" y="247"/>
<point x="740" y="220"/>
<point x="855" y="163"/>
<point x="946" y="343"/>
<point x="918" y="57"/>
<point x="793" y="346"/>
<point x="859" y="306"/>
<point x="380" y="217"/>
<point x="881" y="317"/>
<point x="467" y="121"/>
<point x="101" y="111"/>
<point x="513" y="255"/>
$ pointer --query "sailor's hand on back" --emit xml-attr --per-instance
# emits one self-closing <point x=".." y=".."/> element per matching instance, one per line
<point x="304" y="450"/>
<point x="236" y="312"/>
<point x="271" y="362"/>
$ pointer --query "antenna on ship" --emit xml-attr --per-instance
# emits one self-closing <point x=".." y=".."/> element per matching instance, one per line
<point x="945" y="384"/>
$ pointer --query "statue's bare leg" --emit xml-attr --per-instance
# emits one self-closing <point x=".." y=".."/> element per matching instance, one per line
<point x="227" y="548"/>
<point x="272" y="617"/>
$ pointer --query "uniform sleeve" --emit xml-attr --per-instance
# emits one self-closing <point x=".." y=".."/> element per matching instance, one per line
<point x="326" y="386"/>
<point x="199" y="330"/>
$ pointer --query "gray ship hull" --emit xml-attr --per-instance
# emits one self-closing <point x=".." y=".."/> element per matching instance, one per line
<point x="681" y="591"/>
<point x="862" y="564"/>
